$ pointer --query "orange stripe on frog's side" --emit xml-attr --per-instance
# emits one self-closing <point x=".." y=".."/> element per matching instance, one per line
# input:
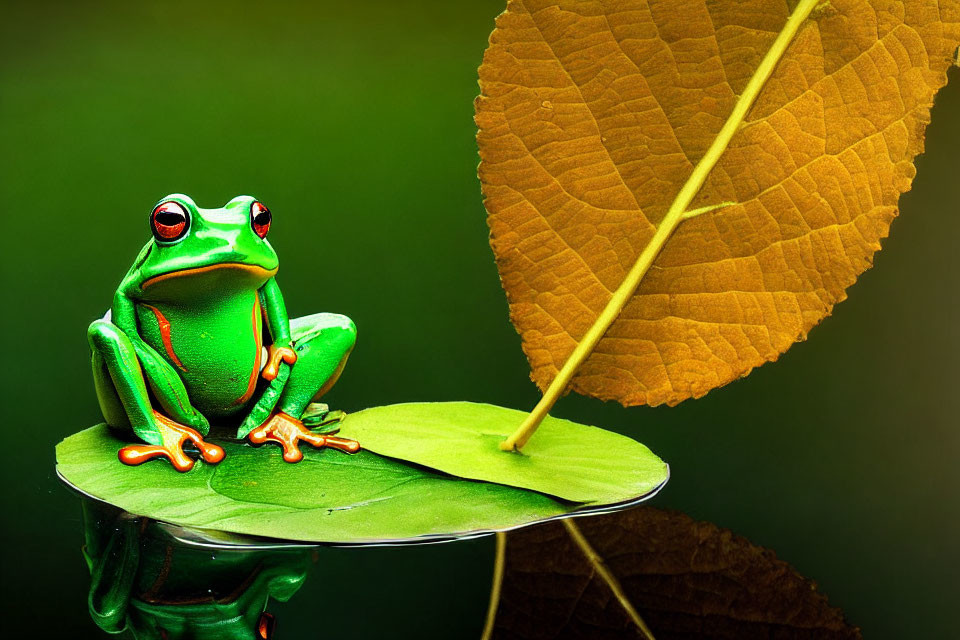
<point x="165" y="335"/>
<point x="251" y="385"/>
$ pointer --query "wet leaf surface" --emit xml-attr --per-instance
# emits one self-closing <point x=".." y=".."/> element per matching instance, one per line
<point x="329" y="497"/>
<point x="567" y="460"/>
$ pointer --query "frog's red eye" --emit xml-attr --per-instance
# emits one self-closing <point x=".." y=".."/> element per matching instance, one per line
<point x="169" y="221"/>
<point x="260" y="218"/>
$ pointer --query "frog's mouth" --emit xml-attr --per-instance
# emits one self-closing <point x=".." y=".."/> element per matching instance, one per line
<point x="254" y="272"/>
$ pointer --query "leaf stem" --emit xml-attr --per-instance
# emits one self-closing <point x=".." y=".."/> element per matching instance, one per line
<point x="498" y="563"/>
<point x="604" y="572"/>
<point x="675" y="215"/>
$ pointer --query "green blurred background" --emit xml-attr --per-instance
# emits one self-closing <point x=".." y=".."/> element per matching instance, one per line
<point x="352" y="121"/>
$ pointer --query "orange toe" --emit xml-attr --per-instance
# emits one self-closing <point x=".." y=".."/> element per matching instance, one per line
<point x="173" y="437"/>
<point x="287" y="431"/>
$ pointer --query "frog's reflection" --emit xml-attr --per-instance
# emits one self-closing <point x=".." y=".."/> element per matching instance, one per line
<point x="153" y="580"/>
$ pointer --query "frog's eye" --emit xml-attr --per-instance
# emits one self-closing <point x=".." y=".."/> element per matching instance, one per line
<point x="260" y="219"/>
<point x="169" y="221"/>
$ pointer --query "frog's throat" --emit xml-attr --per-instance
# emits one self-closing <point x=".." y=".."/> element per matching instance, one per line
<point x="249" y="268"/>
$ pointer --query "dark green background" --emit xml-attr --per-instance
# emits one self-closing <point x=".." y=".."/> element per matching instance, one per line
<point x="352" y="121"/>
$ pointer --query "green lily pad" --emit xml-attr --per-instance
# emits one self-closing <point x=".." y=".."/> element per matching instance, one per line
<point x="564" y="459"/>
<point x="329" y="497"/>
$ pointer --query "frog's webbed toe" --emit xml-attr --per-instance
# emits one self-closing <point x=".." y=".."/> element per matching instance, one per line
<point x="173" y="437"/>
<point x="287" y="431"/>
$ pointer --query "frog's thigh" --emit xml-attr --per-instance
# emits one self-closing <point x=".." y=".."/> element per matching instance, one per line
<point x="118" y="378"/>
<point x="308" y="327"/>
<point x="323" y="342"/>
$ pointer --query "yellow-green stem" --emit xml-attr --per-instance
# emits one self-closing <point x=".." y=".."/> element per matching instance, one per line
<point x="675" y="215"/>
<point x="600" y="567"/>
<point x="498" y="563"/>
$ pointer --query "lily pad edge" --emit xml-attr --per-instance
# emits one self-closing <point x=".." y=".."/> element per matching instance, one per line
<point x="200" y="536"/>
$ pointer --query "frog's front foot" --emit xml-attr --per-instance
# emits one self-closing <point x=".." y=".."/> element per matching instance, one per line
<point x="287" y="431"/>
<point x="173" y="436"/>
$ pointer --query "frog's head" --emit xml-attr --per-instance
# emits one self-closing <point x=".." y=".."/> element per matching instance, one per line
<point x="196" y="249"/>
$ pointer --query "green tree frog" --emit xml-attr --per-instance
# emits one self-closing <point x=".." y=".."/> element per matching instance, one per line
<point x="198" y="331"/>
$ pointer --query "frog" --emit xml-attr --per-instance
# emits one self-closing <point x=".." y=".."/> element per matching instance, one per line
<point x="198" y="334"/>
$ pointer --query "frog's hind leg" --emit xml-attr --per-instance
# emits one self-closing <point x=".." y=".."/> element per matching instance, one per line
<point x="125" y="402"/>
<point x="323" y="343"/>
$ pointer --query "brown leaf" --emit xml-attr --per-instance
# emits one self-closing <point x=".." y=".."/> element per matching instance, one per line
<point x="686" y="579"/>
<point x="592" y="117"/>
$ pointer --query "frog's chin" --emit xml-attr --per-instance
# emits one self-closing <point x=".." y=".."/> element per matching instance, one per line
<point x="221" y="275"/>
